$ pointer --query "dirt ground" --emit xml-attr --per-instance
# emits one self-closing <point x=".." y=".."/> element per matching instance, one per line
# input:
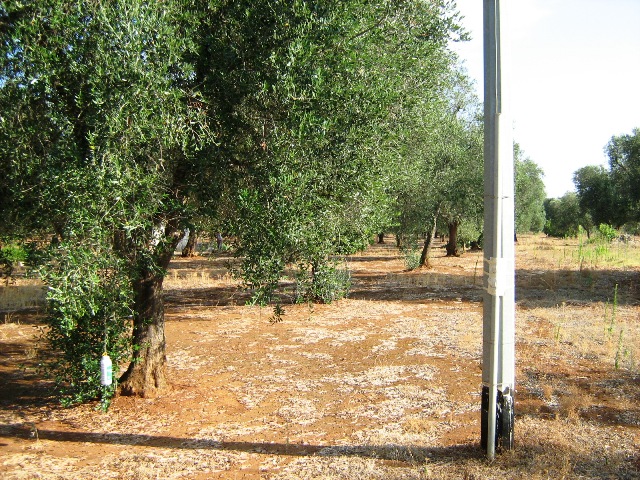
<point x="384" y="384"/>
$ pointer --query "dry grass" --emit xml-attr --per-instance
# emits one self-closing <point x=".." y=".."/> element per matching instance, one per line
<point x="20" y="294"/>
<point x="384" y="385"/>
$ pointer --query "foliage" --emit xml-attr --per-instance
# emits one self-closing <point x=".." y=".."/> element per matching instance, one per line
<point x="529" y="194"/>
<point x="438" y="177"/>
<point x="316" y="186"/>
<point x="607" y="232"/>
<point x="89" y="307"/>
<point x="100" y="130"/>
<point x="124" y="122"/>
<point x="463" y="201"/>
<point x="563" y="216"/>
<point x="411" y="254"/>
<point x="10" y="255"/>
<point x="624" y="167"/>
<point x="632" y="228"/>
<point x="326" y="284"/>
<point x="598" y="195"/>
<point x="612" y="196"/>
<point x="470" y="231"/>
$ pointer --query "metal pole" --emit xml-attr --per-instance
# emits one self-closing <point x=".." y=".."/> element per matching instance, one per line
<point x="499" y="279"/>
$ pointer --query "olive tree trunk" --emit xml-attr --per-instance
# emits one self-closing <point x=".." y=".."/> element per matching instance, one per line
<point x="146" y="374"/>
<point x="452" y="246"/>
<point x="189" y="249"/>
<point x="426" y="249"/>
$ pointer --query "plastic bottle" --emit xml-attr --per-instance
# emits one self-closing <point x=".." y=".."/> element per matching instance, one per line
<point x="106" y="370"/>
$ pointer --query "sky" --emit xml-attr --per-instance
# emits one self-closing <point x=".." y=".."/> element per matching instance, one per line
<point x="575" y="78"/>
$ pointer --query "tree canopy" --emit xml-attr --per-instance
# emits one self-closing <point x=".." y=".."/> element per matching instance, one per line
<point x="100" y="140"/>
<point x="529" y="194"/>
<point x="611" y="196"/>
<point x="624" y="167"/>
<point x="436" y="177"/>
<point x="563" y="216"/>
<point x="597" y="195"/>
<point x="125" y="122"/>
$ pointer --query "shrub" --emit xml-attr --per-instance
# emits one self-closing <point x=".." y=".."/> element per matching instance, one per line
<point x="411" y="257"/>
<point x="469" y="232"/>
<point x="608" y="232"/>
<point x="10" y="256"/>
<point x="632" y="228"/>
<point x="326" y="283"/>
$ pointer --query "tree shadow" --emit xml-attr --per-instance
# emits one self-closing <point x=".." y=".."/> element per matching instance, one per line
<point x="21" y="385"/>
<point x="370" y="258"/>
<point x="391" y="452"/>
<point x="550" y="460"/>
<point x="605" y="397"/>
<point x="177" y="299"/>
<point x="534" y="288"/>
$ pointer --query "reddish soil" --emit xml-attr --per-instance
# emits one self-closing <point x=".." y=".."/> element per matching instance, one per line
<point x="384" y="384"/>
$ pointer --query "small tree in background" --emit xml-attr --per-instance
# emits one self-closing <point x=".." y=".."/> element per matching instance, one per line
<point x="598" y="197"/>
<point x="624" y="166"/>
<point x="564" y="216"/>
<point x="439" y="168"/>
<point x="529" y="194"/>
<point x="612" y="196"/>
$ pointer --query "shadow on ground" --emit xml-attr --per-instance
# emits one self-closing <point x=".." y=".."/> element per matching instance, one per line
<point x="410" y="454"/>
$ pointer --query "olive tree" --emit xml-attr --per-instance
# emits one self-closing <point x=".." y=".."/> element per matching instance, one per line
<point x="598" y="196"/>
<point x="125" y="122"/>
<point x="440" y="181"/>
<point x="100" y="134"/>
<point x="564" y="217"/>
<point x="336" y="99"/>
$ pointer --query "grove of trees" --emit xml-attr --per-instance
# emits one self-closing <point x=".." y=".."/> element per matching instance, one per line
<point x="603" y="196"/>
<point x="299" y="128"/>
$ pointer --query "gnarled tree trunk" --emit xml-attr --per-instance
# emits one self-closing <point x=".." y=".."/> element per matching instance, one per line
<point x="146" y="373"/>
<point x="189" y="249"/>
<point x="452" y="246"/>
<point x="424" y="256"/>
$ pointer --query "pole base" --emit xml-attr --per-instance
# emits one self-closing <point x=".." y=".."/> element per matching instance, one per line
<point x="504" y="420"/>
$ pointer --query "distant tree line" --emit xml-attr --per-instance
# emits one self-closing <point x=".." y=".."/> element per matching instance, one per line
<point x="604" y="196"/>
